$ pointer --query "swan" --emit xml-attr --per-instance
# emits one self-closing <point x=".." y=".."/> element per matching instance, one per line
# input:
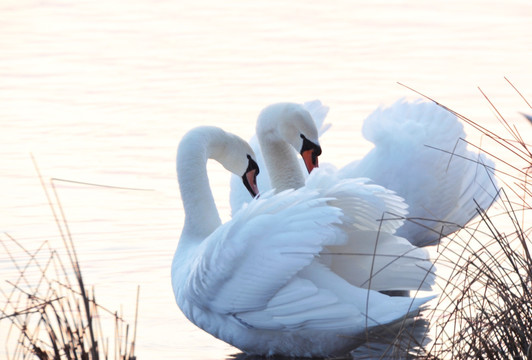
<point x="261" y="281"/>
<point x="383" y="261"/>
<point x="420" y="154"/>
<point x="288" y="134"/>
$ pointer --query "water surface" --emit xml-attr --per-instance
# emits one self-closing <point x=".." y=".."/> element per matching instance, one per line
<point x="102" y="92"/>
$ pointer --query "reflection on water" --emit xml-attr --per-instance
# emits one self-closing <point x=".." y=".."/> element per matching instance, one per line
<point x="101" y="92"/>
<point x="403" y="340"/>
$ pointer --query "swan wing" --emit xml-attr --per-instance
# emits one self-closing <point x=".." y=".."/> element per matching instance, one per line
<point x="245" y="262"/>
<point x="318" y="299"/>
<point x="366" y="206"/>
<point x="420" y="154"/>
<point x="381" y="261"/>
<point x="374" y="256"/>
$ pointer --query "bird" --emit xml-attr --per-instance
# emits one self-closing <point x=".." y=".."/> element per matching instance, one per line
<point x="310" y="146"/>
<point x="284" y="127"/>
<point x="263" y="281"/>
<point x="420" y="153"/>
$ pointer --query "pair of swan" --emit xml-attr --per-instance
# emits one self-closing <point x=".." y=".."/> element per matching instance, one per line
<point x="296" y="272"/>
<point x="420" y="153"/>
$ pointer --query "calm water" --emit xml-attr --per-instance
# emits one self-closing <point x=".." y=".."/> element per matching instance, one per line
<point x="102" y="92"/>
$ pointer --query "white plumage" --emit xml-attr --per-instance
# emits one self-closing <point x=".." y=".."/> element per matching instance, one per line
<point x="420" y="153"/>
<point x="264" y="281"/>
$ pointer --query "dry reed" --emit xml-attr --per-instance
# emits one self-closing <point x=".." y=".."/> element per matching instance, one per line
<point x="484" y="310"/>
<point x="50" y="312"/>
<point x="485" y="306"/>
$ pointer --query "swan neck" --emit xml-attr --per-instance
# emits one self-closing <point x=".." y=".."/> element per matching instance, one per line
<point x="201" y="215"/>
<point x="282" y="163"/>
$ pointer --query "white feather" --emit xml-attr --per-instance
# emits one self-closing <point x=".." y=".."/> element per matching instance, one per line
<point x="258" y="281"/>
<point x="420" y="153"/>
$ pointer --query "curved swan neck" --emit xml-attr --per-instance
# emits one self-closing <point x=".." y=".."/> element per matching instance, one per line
<point x="281" y="161"/>
<point x="279" y="155"/>
<point x="201" y="215"/>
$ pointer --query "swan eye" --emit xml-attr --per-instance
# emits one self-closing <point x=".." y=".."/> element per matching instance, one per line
<point x="309" y="145"/>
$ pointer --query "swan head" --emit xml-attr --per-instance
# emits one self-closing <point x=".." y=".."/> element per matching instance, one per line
<point x="210" y="142"/>
<point x="293" y="124"/>
<point x="236" y="156"/>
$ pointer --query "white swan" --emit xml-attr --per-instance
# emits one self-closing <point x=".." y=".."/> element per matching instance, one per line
<point x="284" y="135"/>
<point x="383" y="261"/>
<point x="412" y="156"/>
<point x="258" y="281"/>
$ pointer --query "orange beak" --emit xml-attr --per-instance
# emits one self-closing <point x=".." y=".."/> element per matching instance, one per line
<point x="310" y="159"/>
<point x="250" y="181"/>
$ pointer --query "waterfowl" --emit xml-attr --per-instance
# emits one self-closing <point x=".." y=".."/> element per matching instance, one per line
<point x="420" y="153"/>
<point x="263" y="281"/>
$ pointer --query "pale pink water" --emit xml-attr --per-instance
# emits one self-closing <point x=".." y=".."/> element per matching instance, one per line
<point x="103" y="91"/>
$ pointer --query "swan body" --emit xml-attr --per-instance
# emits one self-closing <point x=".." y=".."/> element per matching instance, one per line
<point x="420" y="154"/>
<point x="266" y="281"/>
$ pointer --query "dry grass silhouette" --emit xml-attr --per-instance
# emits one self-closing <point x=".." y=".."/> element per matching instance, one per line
<point x="50" y="311"/>
<point x="484" y="310"/>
